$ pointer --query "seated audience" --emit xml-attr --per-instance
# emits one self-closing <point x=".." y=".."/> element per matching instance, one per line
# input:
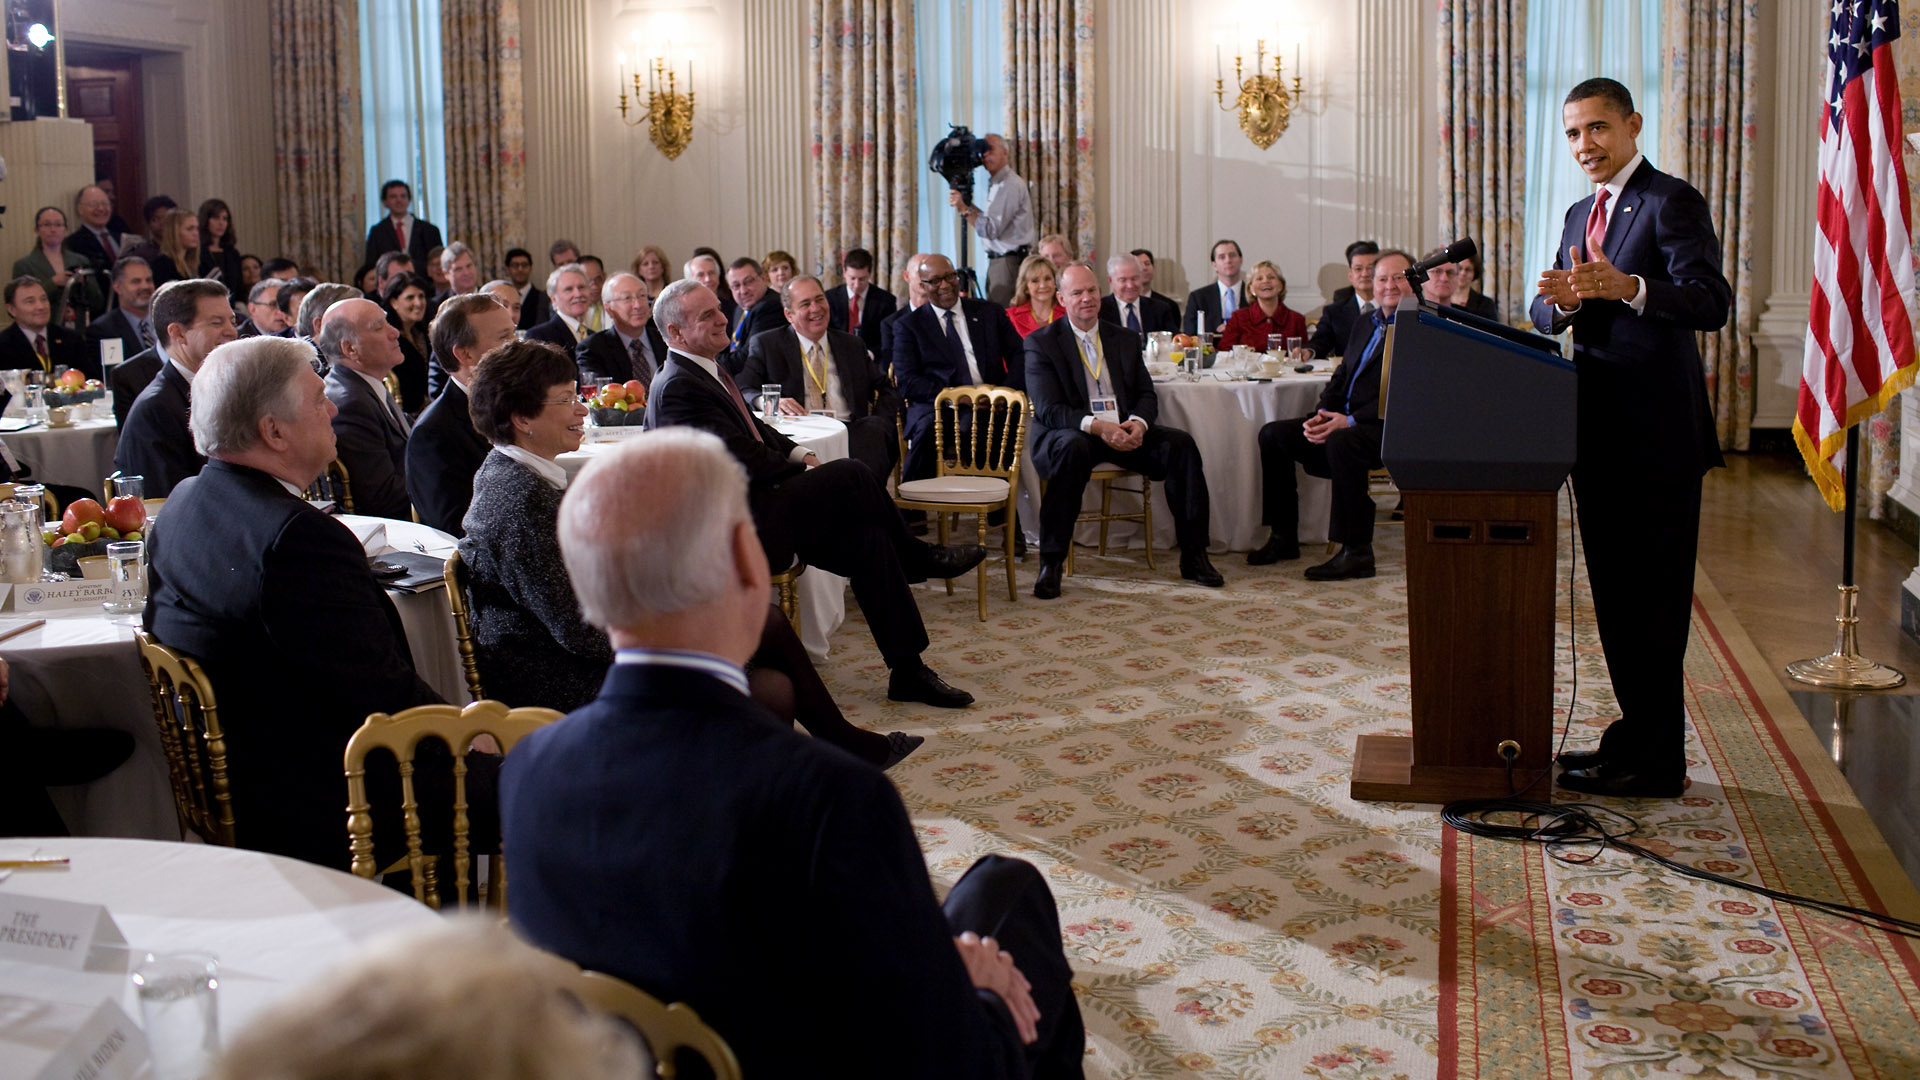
<point x="650" y="266"/>
<point x="1212" y="304"/>
<point x="153" y="211"/>
<point x="1131" y="306"/>
<point x="836" y="515"/>
<point x="400" y="230"/>
<point x="434" y="269"/>
<point x="1466" y="291"/>
<point x="361" y="347"/>
<point x="705" y="268"/>
<point x="462" y="273"/>
<point x="290" y="301"/>
<point x="389" y="266"/>
<point x="857" y="306"/>
<point x="130" y="318"/>
<point x="280" y="267"/>
<point x="366" y="279"/>
<point x="916" y="293"/>
<point x="571" y="295"/>
<point x="275" y="600"/>
<point x="949" y="341"/>
<point x="1439" y="286"/>
<point x="780" y="268"/>
<point x="459" y="1000"/>
<point x="1093" y="403"/>
<point x="155" y="442"/>
<point x="219" y="250"/>
<point x="1058" y="250"/>
<point x="1340" y="441"/>
<point x="250" y="276"/>
<point x="756" y="308"/>
<point x="263" y="309"/>
<point x="674" y="767"/>
<point x="101" y="242"/>
<point x="35" y="342"/>
<point x="1035" y="296"/>
<point x="509" y="297"/>
<point x="174" y="252"/>
<point x="1145" y="258"/>
<point x="1350" y="302"/>
<point x="67" y="276"/>
<point x="630" y="348"/>
<point x="531" y="302"/>
<point x="825" y="370"/>
<point x="562" y="252"/>
<point x="595" y="318"/>
<point x="444" y="449"/>
<point x="405" y="302"/>
<point x="1266" y="315"/>
<point x="313" y="305"/>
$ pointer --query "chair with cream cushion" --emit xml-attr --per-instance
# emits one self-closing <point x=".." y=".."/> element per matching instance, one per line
<point x="978" y="473"/>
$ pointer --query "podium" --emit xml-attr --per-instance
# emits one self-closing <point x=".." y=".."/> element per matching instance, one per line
<point x="1478" y="435"/>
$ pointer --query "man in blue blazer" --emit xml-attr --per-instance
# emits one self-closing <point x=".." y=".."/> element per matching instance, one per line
<point x="1636" y="275"/>
<point x="653" y="833"/>
<point x="949" y="341"/>
<point x="155" y="443"/>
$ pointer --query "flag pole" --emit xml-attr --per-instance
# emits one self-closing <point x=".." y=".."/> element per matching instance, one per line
<point x="1844" y="668"/>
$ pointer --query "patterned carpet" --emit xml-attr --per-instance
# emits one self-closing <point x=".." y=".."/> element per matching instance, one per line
<point x="1176" y="760"/>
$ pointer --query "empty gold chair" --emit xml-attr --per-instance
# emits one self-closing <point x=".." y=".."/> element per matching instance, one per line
<point x="977" y="468"/>
<point x="334" y="484"/>
<point x="1107" y="474"/>
<point x="668" y="1029"/>
<point x="188" y="716"/>
<point x="402" y="733"/>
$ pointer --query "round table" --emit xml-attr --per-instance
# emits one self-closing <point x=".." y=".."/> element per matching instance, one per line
<point x="823" y="596"/>
<point x="1225" y="417"/>
<point x="275" y="924"/>
<point x="80" y="454"/>
<point x="81" y="669"/>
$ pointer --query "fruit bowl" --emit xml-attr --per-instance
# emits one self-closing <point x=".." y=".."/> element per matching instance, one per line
<point x="66" y="558"/>
<point x="57" y="398"/>
<point x="610" y="417"/>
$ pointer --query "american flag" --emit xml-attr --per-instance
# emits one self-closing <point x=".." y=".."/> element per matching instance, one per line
<point x="1860" y="329"/>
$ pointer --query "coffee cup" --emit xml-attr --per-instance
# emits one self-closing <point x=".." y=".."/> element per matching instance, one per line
<point x="59" y="416"/>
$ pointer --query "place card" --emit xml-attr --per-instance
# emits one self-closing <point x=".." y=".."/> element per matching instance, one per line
<point x="109" y="1046"/>
<point x="59" y="933"/>
<point x="77" y="593"/>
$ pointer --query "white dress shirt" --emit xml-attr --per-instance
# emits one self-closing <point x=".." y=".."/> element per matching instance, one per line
<point x="720" y="668"/>
<point x="829" y="373"/>
<point x="940" y="315"/>
<point x="551" y="471"/>
<point x="1613" y="188"/>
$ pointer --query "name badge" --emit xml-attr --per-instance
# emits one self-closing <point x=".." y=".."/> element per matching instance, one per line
<point x="1105" y="408"/>
<point x="109" y="1046"/>
<point x="41" y="930"/>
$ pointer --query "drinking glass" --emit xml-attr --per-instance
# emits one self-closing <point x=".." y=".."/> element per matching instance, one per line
<point x="1277" y="342"/>
<point x="36" y="402"/>
<point x="127" y="569"/>
<point x="180" y="1012"/>
<point x="124" y="484"/>
<point x="1295" y="349"/>
<point x="769" y="401"/>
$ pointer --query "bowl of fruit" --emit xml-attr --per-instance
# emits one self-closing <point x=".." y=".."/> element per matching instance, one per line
<point x="72" y="387"/>
<point x="619" y="404"/>
<point x="87" y="527"/>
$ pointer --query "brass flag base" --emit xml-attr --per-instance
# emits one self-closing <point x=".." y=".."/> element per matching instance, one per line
<point x="1844" y="668"/>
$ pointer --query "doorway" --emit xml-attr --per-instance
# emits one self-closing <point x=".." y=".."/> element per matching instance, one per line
<point x="103" y="88"/>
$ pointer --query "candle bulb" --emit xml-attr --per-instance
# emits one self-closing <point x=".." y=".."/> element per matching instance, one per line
<point x="1296" y="59"/>
<point x="1219" y="71"/>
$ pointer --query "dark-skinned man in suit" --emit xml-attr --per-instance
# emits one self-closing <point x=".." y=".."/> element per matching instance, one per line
<point x="825" y="370"/>
<point x="949" y="341"/>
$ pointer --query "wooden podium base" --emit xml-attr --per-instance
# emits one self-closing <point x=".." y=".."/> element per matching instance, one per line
<point x="1383" y="771"/>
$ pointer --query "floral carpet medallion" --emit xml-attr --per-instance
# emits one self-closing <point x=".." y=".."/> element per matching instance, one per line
<point x="1176" y="759"/>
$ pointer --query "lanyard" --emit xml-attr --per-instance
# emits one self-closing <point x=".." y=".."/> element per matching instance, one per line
<point x="1100" y="361"/>
<point x="819" y="378"/>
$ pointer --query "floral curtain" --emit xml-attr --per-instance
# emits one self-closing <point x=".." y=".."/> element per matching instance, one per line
<point x="1483" y="140"/>
<point x="1710" y="92"/>
<point x="486" y="200"/>
<point x="1049" y="111"/>
<point x="316" y="143"/>
<point x="865" y="160"/>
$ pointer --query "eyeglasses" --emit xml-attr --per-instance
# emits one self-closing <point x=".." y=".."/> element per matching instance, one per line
<point x="568" y="400"/>
<point x="944" y="279"/>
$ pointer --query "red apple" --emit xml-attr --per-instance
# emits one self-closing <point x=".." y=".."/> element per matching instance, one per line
<point x="127" y="513"/>
<point x="81" y="512"/>
<point x="636" y="389"/>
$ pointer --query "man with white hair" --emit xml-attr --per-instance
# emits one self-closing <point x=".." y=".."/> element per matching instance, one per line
<point x="361" y="347"/>
<point x="631" y="348"/>
<point x="835" y="516"/>
<point x="674" y="767"/>
<point x="571" y="293"/>
<point x="706" y="270"/>
<point x="275" y="600"/>
<point x="1130" y="305"/>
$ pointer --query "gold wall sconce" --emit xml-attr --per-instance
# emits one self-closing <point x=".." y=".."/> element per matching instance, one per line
<point x="668" y="113"/>
<point x="1264" y="102"/>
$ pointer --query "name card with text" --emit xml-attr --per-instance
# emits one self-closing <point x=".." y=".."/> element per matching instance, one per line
<point x="74" y="593"/>
<point x="61" y="933"/>
<point x="107" y="1047"/>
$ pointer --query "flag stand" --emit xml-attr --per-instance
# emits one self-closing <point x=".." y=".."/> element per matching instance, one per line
<point x="1844" y="668"/>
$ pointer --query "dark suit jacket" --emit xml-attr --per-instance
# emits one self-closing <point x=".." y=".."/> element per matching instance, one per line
<point x="1642" y="396"/>
<point x="602" y="354"/>
<point x="131" y="377"/>
<point x="371" y="444"/>
<point x="758" y="814"/>
<point x="924" y="363"/>
<point x="155" y="441"/>
<point x="63" y="347"/>
<point x="774" y="357"/>
<point x="761" y="317"/>
<point x="875" y="306"/>
<point x="1156" y="313"/>
<point x="1057" y="377"/>
<point x="535" y="309"/>
<point x="275" y="600"/>
<point x="1479" y="303"/>
<point x="81" y="241"/>
<point x="1207" y="298"/>
<point x="1330" y="334"/>
<point x="683" y="393"/>
<point x="889" y="328"/>
<point x="117" y="324"/>
<point x="423" y="237"/>
<point x="443" y="453"/>
<point x="554" y="331"/>
<point x="1165" y="299"/>
<point x="1366" y="389"/>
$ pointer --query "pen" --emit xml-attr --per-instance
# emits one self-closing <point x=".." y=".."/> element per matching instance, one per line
<point x="49" y="860"/>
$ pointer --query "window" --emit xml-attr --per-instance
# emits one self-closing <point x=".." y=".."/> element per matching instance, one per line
<point x="957" y="58"/>
<point x="402" y="110"/>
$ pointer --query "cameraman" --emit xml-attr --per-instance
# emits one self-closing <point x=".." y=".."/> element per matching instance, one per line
<point x="1006" y="226"/>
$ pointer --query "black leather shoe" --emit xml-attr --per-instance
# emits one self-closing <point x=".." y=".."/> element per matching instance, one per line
<point x="953" y="560"/>
<point x="1198" y="569"/>
<point x="1047" y="585"/>
<point x="1273" y="551"/>
<point x="1351" y="562"/>
<point x="919" y="683"/>
<point x="1620" y="783"/>
<point x="899" y="745"/>
<point x="1580" y="759"/>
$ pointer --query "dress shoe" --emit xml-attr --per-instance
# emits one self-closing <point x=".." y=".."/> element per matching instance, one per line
<point x="1047" y="585"/>
<point x="1273" y="551"/>
<point x="1352" y="561"/>
<point x="1580" y="759"/>
<point x="1198" y="569"/>
<point x="899" y="745"/>
<point x="1621" y="782"/>
<point x="953" y="560"/>
<point x="917" y="682"/>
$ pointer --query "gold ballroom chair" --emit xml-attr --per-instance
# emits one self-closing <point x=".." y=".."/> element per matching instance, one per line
<point x="978" y="472"/>
<point x="188" y="715"/>
<point x="667" y="1029"/>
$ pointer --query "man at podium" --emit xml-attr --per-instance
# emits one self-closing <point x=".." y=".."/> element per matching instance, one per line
<point x="1636" y="273"/>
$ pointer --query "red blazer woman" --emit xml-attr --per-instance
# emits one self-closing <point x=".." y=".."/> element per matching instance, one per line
<point x="1023" y="320"/>
<point x="1250" y="326"/>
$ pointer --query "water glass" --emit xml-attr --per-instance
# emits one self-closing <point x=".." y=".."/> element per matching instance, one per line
<point x="1277" y="342"/>
<point x="37" y="402"/>
<point x="123" y="484"/>
<point x="1296" y="349"/>
<point x="127" y="569"/>
<point x="180" y="1012"/>
<point x="769" y="401"/>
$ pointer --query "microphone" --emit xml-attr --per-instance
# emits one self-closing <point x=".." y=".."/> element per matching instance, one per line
<point x="1460" y="249"/>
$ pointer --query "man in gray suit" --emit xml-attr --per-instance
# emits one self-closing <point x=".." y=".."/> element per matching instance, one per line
<point x="361" y="347"/>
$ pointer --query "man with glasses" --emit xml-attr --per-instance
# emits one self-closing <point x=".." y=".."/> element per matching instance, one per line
<point x="1352" y="302"/>
<point x="950" y="341"/>
<point x="1441" y="281"/>
<point x="632" y="347"/>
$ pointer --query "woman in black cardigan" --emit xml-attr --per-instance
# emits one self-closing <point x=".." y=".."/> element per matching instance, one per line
<point x="532" y="646"/>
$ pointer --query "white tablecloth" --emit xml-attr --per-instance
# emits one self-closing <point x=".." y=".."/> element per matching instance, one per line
<point x="80" y="454"/>
<point x="81" y="670"/>
<point x="1225" y="419"/>
<point x="823" y="596"/>
<point x="274" y="924"/>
